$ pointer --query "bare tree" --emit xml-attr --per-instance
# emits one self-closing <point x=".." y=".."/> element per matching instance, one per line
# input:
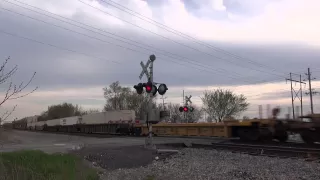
<point x="89" y="111"/>
<point x="125" y="98"/>
<point x="220" y="104"/>
<point x="177" y="116"/>
<point x="13" y="91"/>
<point x="195" y="115"/>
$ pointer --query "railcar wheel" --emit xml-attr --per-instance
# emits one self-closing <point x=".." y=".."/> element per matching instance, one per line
<point x="283" y="137"/>
<point x="249" y="134"/>
<point x="307" y="137"/>
<point x="265" y="135"/>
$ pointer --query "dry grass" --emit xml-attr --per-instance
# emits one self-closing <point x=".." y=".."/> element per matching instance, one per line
<point x="29" y="164"/>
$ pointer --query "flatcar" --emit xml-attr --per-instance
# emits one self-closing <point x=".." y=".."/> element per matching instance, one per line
<point x="123" y="122"/>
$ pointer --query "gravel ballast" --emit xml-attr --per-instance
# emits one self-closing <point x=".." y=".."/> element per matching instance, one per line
<point x="198" y="164"/>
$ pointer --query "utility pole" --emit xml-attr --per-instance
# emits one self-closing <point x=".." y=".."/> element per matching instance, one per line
<point x="311" y="91"/>
<point x="163" y="98"/>
<point x="183" y="103"/>
<point x="296" y="93"/>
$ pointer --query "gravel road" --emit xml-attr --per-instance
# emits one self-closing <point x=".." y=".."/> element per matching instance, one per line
<point x="198" y="164"/>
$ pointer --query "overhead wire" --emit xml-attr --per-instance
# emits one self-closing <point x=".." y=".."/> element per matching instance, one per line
<point x="60" y="48"/>
<point x="56" y="46"/>
<point x="209" y="54"/>
<point x="98" y="33"/>
<point x="179" y="33"/>
<point x="165" y="52"/>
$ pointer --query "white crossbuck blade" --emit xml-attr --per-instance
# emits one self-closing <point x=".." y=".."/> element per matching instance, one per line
<point x="188" y="99"/>
<point x="145" y="69"/>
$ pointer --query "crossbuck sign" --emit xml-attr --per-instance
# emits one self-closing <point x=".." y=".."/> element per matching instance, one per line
<point x="145" y="69"/>
<point x="188" y="99"/>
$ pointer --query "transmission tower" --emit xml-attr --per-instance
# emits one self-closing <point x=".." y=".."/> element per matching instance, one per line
<point x="296" y="93"/>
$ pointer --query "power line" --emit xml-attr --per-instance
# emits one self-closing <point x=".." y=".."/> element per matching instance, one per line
<point x="113" y="34"/>
<point x="177" y="41"/>
<point x="101" y="39"/>
<point x="55" y="46"/>
<point x="179" y="33"/>
<point x="183" y="58"/>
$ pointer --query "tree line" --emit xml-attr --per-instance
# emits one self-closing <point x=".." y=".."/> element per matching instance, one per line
<point x="217" y="105"/>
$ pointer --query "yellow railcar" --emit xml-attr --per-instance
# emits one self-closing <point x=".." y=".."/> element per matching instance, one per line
<point x="257" y="129"/>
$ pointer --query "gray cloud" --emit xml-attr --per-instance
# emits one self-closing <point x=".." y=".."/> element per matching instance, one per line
<point x="275" y="95"/>
<point x="60" y="68"/>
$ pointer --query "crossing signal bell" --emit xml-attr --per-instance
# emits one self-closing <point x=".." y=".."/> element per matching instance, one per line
<point x="139" y="88"/>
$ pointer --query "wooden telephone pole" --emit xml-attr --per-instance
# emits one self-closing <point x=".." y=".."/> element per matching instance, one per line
<point x="311" y="91"/>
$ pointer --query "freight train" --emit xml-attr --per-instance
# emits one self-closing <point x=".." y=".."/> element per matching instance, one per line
<point x="123" y="122"/>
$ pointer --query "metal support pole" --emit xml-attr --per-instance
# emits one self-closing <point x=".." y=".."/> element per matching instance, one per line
<point x="310" y="90"/>
<point x="149" y="140"/>
<point x="297" y="111"/>
<point x="292" y="96"/>
<point x="184" y="103"/>
<point x="301" y="106"/>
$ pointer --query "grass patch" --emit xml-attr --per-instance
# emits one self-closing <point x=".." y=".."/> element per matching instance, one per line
<point x="37" y="165"/>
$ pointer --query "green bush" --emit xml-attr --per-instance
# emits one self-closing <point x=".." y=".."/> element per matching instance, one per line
<point x="37" y="165"/>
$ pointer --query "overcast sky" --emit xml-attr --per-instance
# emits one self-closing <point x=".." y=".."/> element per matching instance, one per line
<point x="77" y="47"/>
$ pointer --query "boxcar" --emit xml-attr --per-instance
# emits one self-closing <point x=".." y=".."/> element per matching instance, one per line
<point x="31" y="122"/>
<point x="108" y="117"/>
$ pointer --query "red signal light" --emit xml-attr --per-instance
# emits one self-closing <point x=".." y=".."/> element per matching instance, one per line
<point x="185" y="109"/>
<point x="148" y="87"/>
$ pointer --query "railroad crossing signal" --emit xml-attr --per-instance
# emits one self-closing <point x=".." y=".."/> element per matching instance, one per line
<point x="186" y="109"/>
<point x="150" y="86"/>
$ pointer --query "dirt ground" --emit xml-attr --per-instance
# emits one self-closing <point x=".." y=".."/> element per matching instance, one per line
<point x="7" y="137"/>
<point x="122" y="157"/>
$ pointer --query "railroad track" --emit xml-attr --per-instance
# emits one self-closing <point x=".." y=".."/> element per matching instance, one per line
<point x="308" y="154"/>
